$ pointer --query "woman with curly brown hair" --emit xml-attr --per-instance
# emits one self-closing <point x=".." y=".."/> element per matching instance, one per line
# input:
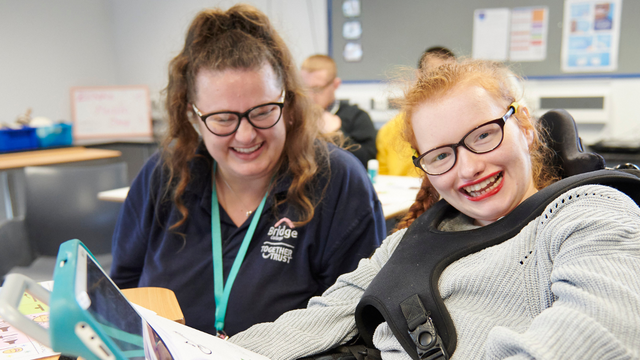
<point x="246" y="212"/>
<point x="557" y="280"/>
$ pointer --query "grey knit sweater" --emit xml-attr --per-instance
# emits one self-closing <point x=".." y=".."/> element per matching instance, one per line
<point x="566" y="287"/>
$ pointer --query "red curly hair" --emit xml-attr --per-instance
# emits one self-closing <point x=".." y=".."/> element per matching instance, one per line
<point x="497" y="80"/>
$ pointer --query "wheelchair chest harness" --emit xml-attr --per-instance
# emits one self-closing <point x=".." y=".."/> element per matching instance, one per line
<point x="405" y="292"/>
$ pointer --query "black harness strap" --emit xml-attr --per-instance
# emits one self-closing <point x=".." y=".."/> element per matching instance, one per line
<point x="421" y="329"/>
<point x="405" y="292"/>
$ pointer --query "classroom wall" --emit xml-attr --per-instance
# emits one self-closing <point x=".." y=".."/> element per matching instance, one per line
<point x="418" y="24"/>
<point x="47" y="47"/>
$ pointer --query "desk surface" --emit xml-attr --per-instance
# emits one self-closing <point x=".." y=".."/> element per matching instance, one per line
<point x="396" y="193"/>
<point x="53" y="156"/>
<point x="159" y="300"/>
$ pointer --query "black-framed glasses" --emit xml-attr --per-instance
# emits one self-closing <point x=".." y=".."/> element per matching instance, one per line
<point x="483" y="139"/>
<point x="225" y="123"/>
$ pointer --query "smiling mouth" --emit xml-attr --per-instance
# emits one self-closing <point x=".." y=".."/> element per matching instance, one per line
<point x="247" y="150"/>
<point x="483" y="187"/>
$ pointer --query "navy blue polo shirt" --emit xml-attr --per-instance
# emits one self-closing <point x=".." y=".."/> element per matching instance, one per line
<point x="284" y="266"/>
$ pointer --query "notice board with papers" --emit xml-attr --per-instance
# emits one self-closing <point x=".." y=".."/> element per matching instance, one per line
<point x="392" y="36"/>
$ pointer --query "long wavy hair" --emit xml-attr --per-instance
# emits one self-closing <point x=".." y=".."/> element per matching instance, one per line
<point x="240" y="38"/>
<point x="501" y="83"/>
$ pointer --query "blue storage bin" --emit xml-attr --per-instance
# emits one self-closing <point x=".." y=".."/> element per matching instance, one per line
<point x="18" y="139"/>
<point x="55" y="135"/>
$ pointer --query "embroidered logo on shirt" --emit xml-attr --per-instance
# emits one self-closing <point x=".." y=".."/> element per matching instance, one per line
<point x="278" y="249"/>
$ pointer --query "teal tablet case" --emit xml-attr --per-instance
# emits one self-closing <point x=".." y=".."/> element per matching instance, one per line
<point x="66" y="314"/>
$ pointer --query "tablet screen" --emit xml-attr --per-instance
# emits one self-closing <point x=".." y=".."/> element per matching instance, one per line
<point x="128" y="330"/>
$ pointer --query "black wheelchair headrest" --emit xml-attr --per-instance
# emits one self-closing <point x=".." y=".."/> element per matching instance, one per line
<point x="564" y="140"/>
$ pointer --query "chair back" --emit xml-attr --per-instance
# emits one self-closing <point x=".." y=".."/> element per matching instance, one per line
<point x="15" y="249"/>
<point x="62" y="204"/>
<point x="566" y="143"/>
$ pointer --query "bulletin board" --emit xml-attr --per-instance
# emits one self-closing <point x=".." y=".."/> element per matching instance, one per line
<point x="111" y="112"/>
<point x="394" y="34"/>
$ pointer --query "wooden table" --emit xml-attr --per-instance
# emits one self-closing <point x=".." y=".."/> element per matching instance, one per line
<point x="53" y="156"/>
<point x="162" y="301"/>
<point x="396" y="193"/>
<point x="12" y="161"/>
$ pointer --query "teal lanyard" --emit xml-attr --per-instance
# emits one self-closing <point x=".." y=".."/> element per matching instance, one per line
<point x="222" y="291"/>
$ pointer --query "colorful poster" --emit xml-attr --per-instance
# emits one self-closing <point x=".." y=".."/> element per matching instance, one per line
<point x="591" y="35"/>
<point x="529" y="34"/>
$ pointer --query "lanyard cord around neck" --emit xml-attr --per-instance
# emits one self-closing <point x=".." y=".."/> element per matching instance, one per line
<point x="222" y="291"/>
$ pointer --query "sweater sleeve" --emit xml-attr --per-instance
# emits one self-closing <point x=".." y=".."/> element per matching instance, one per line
<point x="588" y="249"/>
<point x="328" y="320"/>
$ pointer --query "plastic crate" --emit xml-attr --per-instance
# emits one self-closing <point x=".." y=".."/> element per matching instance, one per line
<point x="18" y="139"/>
<point x="55" y="135"/>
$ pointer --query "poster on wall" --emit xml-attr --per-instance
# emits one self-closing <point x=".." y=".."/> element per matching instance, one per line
<point x="591" y="35"/>
<point x="491" y="34"/>
<point x="529" y="27"/>
<point x="111" y="112"/>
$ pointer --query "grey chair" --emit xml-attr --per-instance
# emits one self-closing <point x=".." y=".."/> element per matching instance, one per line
<point x="15" y="249"/>
<point x="62" y="204"/>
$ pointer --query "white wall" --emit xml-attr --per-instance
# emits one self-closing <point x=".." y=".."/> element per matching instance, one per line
<point x="46" y="47"/>
<point x="148" y="33"/>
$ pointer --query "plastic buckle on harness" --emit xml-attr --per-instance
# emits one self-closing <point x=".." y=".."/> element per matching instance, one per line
<point x="428" y="342"/>
<point x="422" y="331"/>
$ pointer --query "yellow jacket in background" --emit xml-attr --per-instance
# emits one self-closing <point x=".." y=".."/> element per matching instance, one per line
<point x="394" y="154"/>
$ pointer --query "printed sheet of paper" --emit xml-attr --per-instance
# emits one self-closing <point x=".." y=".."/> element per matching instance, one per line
<point x="14" y="344"/>
<point x="188" y="343"/>
<point x="591" y="35"/>
<point x="529" y="26"/>
<point x="491" y="34"/>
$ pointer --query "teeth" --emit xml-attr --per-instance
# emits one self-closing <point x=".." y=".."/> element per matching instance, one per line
<point x="247" y="150"/>
<point x="481" y="188"/>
